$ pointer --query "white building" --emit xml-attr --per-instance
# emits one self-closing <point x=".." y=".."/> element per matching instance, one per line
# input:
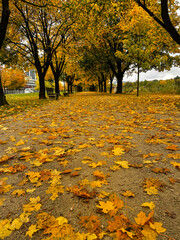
<point x="31" y="79"/>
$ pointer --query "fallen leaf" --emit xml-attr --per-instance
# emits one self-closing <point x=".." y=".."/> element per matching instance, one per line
<point x="19" y="192"/>
<point x="151" y="190"/>
<point x="157" y="226"/>
<point x="118" y="150"/>
<point x="106" y="206"/>
<point x="128" y="194"/>
<point x="32" y="230"/>
<point x="149" y="233"/>
<point x="21" y="142"/>
<point x="151" y="205"/>
<point x="172" y="147"/>
<point x="142" y="219"/>
<point x="91" y="223"/>
<point x="123" y="164"/>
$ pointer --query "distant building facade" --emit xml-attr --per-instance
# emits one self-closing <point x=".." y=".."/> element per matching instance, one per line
<point x="31" y="79"/>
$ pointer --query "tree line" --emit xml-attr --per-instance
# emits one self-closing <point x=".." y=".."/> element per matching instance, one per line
<point x="88" y="41"/>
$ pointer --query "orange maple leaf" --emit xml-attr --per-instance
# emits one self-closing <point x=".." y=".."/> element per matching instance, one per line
<point x="172" y="147"/>
<point x="142" y="219"/>
<point x="91" y="223"/>
<point x="119" y="222"/>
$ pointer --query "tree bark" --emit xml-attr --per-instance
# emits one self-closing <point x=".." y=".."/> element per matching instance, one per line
<point x="68" y="87"/>
<point x="3" y="29"/>
<point x="3" y="100"/>
<point x="4" y="20"/>
<point x="119" y="82"/>
<point x="42" y="94"/>
<point x="105" y="88"/>
<point x="111" y="81"/>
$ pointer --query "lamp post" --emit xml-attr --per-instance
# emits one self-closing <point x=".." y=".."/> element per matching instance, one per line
<point x="138" y="62"/>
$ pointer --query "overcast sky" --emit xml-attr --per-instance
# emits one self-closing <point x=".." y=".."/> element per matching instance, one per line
<point x="152" y="75"/>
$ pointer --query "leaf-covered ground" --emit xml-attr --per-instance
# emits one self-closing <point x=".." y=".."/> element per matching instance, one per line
<point x="91" y="166"/>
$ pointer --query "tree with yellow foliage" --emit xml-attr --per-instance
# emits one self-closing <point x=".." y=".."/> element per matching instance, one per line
<point x="115" y="35"/>
<point x="165" y="13"/>
<point x="13" y="78"/>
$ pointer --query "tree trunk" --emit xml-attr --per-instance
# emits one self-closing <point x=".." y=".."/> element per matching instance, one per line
<point x="119" y="83"/>
<point x="105" y="88"/>
<point x="3" y="29"/>
<point x="4" y="20"/>
<point x="111" y="82"/>
<point x="42" y="94"/>
<point x="56" y="76"/>
<point x="110" y="90"/>
<point x="68" y="87"/>
<point x="138" y="82"/>
<point x="99" y="84"/>
<point x="3" y="100"/>
<point x="71" y="88"/>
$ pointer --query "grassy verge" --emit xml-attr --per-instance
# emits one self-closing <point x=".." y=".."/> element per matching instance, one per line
<point x="20" y="102"/>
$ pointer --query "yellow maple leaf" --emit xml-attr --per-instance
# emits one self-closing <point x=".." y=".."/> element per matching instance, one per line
<point x="130" y="234"/>
<point x="33" y="205"/>
<point x="78" y="169"/>
<point x="158" y="227"/>
<point x="114" y="168"/>
<point x="99" y="174"/>
<point x="83" y="146"/>
<point x="4" y="228"/>
<point x="106" y="206"/>
<point x="104" y="154"/>
<point x="19" y="192"/>
<point x="123" y="164"/>
<point x="175" y="164"/>
<point x="24" y="217"/>
<point x="30" y="190"/>
<point x="100" y="163"/>
<point x="148" y="233"/>
<point x="151" y="205"/>
<point x="4" y="159"/>
<point x="59" y="151"/>
<point x="118" y="203"/>
<point x="103" y="194"/>
<point x="31" y="231"/>
<point x="36" y="163"/>
<point x="91" y="236"/>
<point x="12" y="138"/>
<point x="5" y="188"/>
<point x="118" y="150"/>
<point x="151" y="190"/>
<point x="128" y="194"/>
<point x="16" y="224"/>
<point x="33" y="176"/>
<point x="174" y="156"/>
<point x="95" y="184"/>
<point x="61" y="220"/>
<point x="2" y="201"/>
<point x="55" y="190"/>
<point x="21" y="142"/>
<point x="35" y="200"/>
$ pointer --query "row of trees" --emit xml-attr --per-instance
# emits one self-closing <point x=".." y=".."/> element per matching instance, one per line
<point x="156" y="86"/>
<point x="89" y="40"/>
